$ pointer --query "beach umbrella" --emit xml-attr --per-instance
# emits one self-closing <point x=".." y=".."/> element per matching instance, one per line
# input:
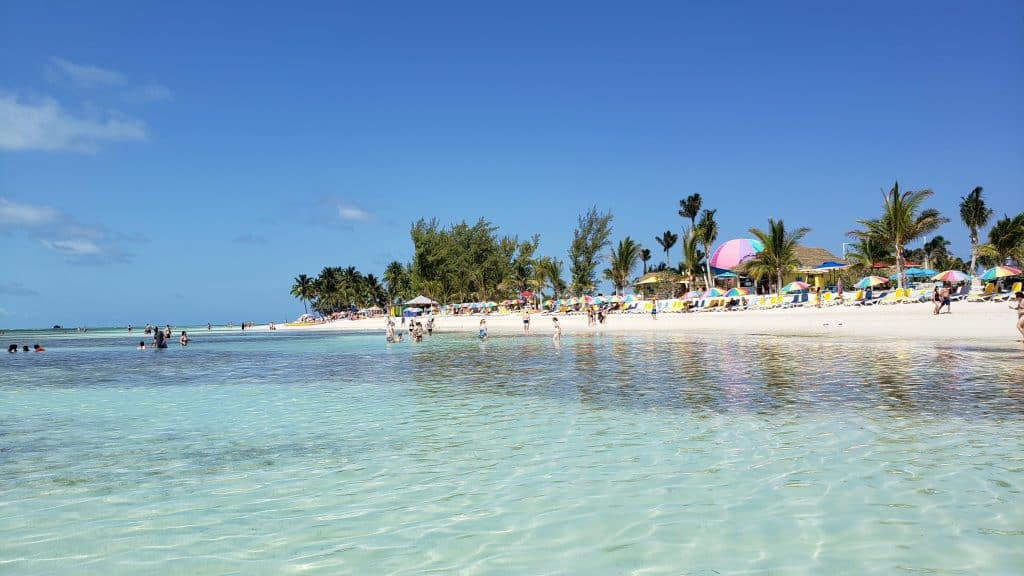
<point x="737" y="292"/>
<point x="919" y="272"/>
<point x="996" y="272"/>
<point x="629" y="298"/>
<point x="868" y="281"/>
<point x="831" y="265"/>
<point x="692" y="294"/>
<point x="734" y="252"/>
<point x="951" y="276"/>
<point x="726" y="275"/>
<point x="526" y="294"/>
<point x="794" y="286"/>
<point x="713" y="293"/>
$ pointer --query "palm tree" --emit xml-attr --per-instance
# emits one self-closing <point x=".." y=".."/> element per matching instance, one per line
<point x="667" y="241"/>
<point x="622" y="261"/>
<point x="645" y="257"/>
<point x="692" y="265"/>
<point x="689" y="208"/>
<point x="303" y="289"/>
<point x="395" y="279"/>
<point x="936" y="250"/>
<point x="552" y="268"/>
<point x="975" y="216"/>
<point x="901" y="222"/>
<point x="1005" y="241"/>
<point x="707" y="233"/>
<point x="866" y="252"/>
<point x="779" y="254"/>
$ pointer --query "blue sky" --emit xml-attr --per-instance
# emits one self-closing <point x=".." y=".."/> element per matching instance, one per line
<point x="183" y="162"/>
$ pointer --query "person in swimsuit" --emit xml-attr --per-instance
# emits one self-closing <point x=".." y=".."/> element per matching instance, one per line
<point x="430" y="326"/>
<point x="526" y="321"/>
<point x="654" y="310"/>
<point x="1018" y="305"/>
<point x="142" y="345"/>
<point x="945" y="300"/>
<point x="184" y="339"/>
<point x="557" y="335"/>
<point x="389" y="332"/>
<point x="483" y="329"/>
<point x="936" y="301"/>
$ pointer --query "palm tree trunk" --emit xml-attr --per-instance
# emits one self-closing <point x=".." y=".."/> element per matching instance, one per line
<point x="899" y="267"/>
<point x="974" y="253"/>
<point x="778" y="282"/>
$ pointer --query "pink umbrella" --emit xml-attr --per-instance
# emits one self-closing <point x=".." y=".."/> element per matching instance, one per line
<point x="735" y="252"/>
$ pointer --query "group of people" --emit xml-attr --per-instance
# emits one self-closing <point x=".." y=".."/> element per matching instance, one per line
<point x="161" y="337"/>
<point x="940" y="300"/>
<point x="13" y="348"/>
<point x="416" y="330"/>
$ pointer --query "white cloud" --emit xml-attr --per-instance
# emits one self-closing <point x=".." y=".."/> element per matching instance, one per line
<point x="149" y="93"/>
<point x="25" y="214"/>
<point x="45" y="125"/>
<point x="77" y="247"/>
<point x="85" y="75"/>
<point x="352" y="213"/>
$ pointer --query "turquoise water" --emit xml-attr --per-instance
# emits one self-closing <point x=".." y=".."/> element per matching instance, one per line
<point x="270" y="453"/>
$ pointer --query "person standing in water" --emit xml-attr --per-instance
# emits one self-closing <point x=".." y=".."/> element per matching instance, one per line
<point x="1018" y="305"/>
<point x="483" y="329"/>
<point x="557" y="335"/>
<point x="183" y="339"/>
<point x="526" y="321"/>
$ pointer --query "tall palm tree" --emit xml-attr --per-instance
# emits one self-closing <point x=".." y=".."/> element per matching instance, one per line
<point x="645" y="257"/>
<point x="779" y="254"/>
<point x="304" y="290"/>
<point x="975" y="215"/>
<point x="692" y="265"/>
<point x="901" y="222"/>
<point x="622" y="261"/>
<point x="553" y="273"/>
<point x="707" y="233"/>
<point x="690" y="208"/>
<point x="395" y="279"/>
<point x="667" y="240"/>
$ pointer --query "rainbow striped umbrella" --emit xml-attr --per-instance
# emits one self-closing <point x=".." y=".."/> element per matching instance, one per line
<point x="951" y="276"/>
<point x="1000" y="272"/>
<point x="735" y="252"/>
<point x="737" y="292"/>
<point x="794" y="286"/>
<point x="713" y="293"/>
<point x="868" y="281"/>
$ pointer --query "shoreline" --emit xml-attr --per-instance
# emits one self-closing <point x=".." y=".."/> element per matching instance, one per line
<point x="990" y="322"/>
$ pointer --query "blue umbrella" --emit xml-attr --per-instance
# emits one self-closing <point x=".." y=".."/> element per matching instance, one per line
<point x="919" y="272"/>
<point x="831" y="265"/>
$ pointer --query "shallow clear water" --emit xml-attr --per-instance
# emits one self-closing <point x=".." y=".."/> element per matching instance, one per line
<point x="269" y="453"/>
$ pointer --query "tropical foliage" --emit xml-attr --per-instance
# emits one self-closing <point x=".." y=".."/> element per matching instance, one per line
<point x="588" y="239"/>
<point x="621" y="263"/>
<point x="692" y="265"/>
<point x="779" y="255"/>
<point x="690" y="208"/>
<point x="975" y="215"/>
<point x="707" y="232"/>
<point x="667" y="240"/>
<point x="1005" y="241"/>
<point x="903" y="220"/>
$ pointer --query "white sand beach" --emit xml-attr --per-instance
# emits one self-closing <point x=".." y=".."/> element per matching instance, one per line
<point x="977" y="321"/>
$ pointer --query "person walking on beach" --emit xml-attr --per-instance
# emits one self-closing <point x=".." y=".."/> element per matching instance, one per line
<point x="654" y="310"/>
<point x="557" y="335"/>
<point x="1018" y="305"/>
<point x="936" y="301"/>
<point x="483" y="329"/>
<point x="945" y="300"/>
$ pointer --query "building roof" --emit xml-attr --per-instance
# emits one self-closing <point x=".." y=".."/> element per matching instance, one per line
<point x="810" y="256"/>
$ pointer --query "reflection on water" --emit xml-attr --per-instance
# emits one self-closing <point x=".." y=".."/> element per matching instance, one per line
<point x="271" y="453"/>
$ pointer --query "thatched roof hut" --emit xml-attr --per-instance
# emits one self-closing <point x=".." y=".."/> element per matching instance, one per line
<point x="810" y="256"/>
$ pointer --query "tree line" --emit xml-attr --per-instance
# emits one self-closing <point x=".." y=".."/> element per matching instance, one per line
<point x="473" y="262"/>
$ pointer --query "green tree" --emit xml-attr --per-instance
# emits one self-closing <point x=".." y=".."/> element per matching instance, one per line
<point x="902" y="221"/>
<point x="645" y="257"/>
<point x="975" y="215"/>
<point x="303" y="289"/>
<point x="779" y="254"/>
<point x="707" y="233"/>
<point x="692" y="265"/>
<point x="936" y="250"/>
<point x="866" y="252"/>
<point x="621" y="263"/>
<point x="589" y="238"/>
<point x="1005" y="241"/>
<point x="690" y="208"/>
<point x="667" y="240"/>
<point x="396" y="281"/>
<point x="552" y="271"/>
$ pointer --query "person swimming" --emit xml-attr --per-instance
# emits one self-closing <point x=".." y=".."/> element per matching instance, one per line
<point x="38" y="348"/>
<point x="12" y="348"/>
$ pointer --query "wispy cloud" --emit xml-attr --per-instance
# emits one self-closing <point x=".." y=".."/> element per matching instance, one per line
<point x="16" y="289"/>
<point x="16" y="214"/>
<point x="84" y="75"/>
<point x="45" y="125"/>
<point x="62" y="234"/>
<point x="249" y="238"/>
<point x="149" y="93"/>
<point x="347" y="212"/>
